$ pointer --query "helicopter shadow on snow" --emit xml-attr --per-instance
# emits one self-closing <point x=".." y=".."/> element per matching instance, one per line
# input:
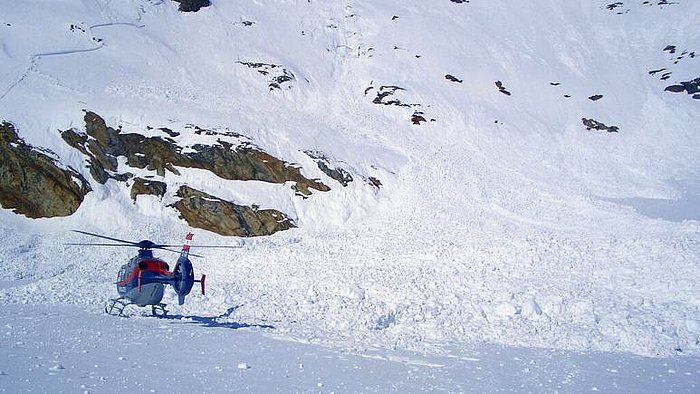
<point x="213" y="321"/>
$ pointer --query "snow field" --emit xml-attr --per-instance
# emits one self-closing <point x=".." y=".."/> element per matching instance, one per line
<point x="500" y="222"/>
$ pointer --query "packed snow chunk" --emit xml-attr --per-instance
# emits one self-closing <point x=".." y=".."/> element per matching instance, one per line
<point x="506" y="309"/>
<point x="531" y="309"/>
<point x="243" y="366"/>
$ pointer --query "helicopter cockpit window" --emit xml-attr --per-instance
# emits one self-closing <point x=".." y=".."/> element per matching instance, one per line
<point x="123" y="271"/>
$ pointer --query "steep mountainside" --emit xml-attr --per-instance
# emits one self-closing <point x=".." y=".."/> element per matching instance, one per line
<point x="524" y="173"/>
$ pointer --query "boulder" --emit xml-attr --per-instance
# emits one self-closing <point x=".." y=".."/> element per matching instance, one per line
<point x="208" y="212"/>
<point x="147" y="187"/>
<point x="592" y="124"/>
<point x="192" y="5"/>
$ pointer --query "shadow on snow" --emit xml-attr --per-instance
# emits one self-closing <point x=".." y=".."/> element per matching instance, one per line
<point x="208" y="321"/>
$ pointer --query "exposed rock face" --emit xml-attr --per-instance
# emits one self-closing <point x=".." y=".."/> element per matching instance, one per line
<point x="323" y="164"/>
<point x="202" y="210"/>
<point x="388" y="91"/>
<point x="192" y="5"/>
<point x="104" y="144"/>
<point x="278" y="75"/>
<point x="594" y="124"/>
<point x="691" y="87"/>
<point x="31" y="182"/>
<point x="147" y="187"/>
<point x="374" y="182"/>
<point x="417" y="118"/>
<point x="385" y="96"/>
<point x="452" y="78"/>
<point x="502" y="88"/>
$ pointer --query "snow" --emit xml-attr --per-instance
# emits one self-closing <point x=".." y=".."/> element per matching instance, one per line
<point x="502" y="230"/>
<point x="97" y="353"/>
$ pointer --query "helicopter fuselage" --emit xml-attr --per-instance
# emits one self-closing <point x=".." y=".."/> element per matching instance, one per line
<point x="142" y="280"/>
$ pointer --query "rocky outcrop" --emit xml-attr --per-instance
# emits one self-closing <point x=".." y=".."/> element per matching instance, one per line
<point x="103" y="144"/>
<point x="502" y="88"/>
<point x="147" y="187"/>
<point x="324" y="165"/>
<point x="32" y="183"/>
<point x="592" y="124"/>
<point x="692" y="87"/>
<point x="452" y="78"/>
<point x="385" y="96"/>
<point x="192" y="5"/>
<point x="417" y="117"/>
<point x="277" y="74"/>
<point x="205" y="211"/>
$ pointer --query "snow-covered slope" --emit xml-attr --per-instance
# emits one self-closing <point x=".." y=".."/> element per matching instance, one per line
<point x="501" y="217"/>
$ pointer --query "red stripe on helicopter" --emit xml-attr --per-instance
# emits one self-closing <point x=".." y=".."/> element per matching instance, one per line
<point x="154" y="266"/>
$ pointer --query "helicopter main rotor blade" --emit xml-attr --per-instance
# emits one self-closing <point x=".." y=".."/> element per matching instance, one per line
<point x="78" y="244"/>
<point x="166" y="249"/>
<point x="218" y="246"/>
<point x="176" y="251"/>
<point x="105" y="237"/>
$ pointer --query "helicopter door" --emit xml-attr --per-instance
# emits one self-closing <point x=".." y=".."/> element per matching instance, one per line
<point x="123" y="274"/>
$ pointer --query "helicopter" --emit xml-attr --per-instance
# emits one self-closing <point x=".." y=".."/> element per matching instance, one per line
<point x="141" y="281"/>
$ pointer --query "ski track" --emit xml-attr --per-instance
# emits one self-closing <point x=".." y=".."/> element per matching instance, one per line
<point x="34" y="59"/>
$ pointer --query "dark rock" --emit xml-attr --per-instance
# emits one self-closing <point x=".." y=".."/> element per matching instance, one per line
<point x="32" y="183"/>
<point x="675" y="88"/>
<point x="452" y="78"/>
<point x="199" y="131"/>
<point x="593" y="124"/>
<point x="596" y="97"/>
<point x="147" y="187"/>
<point x="417" y="118"/>
<point x="502" y="88"/>
<point x="323" y="164"/>
<point x="691" y="87"/>
<point x="169" y="132"/>
<point x="278" y="74"/>
<point x="388" y="91"/>
<point x="374" y="182"/>
<point x="612" y="6"/>
<point x="205" y="211"/>
<point x="104" y="144"/>
<point x="192" y="5"/>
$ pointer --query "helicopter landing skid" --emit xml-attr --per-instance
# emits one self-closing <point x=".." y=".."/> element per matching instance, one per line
<point x="159" y="310"/>
<point x="116" y="306"/>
